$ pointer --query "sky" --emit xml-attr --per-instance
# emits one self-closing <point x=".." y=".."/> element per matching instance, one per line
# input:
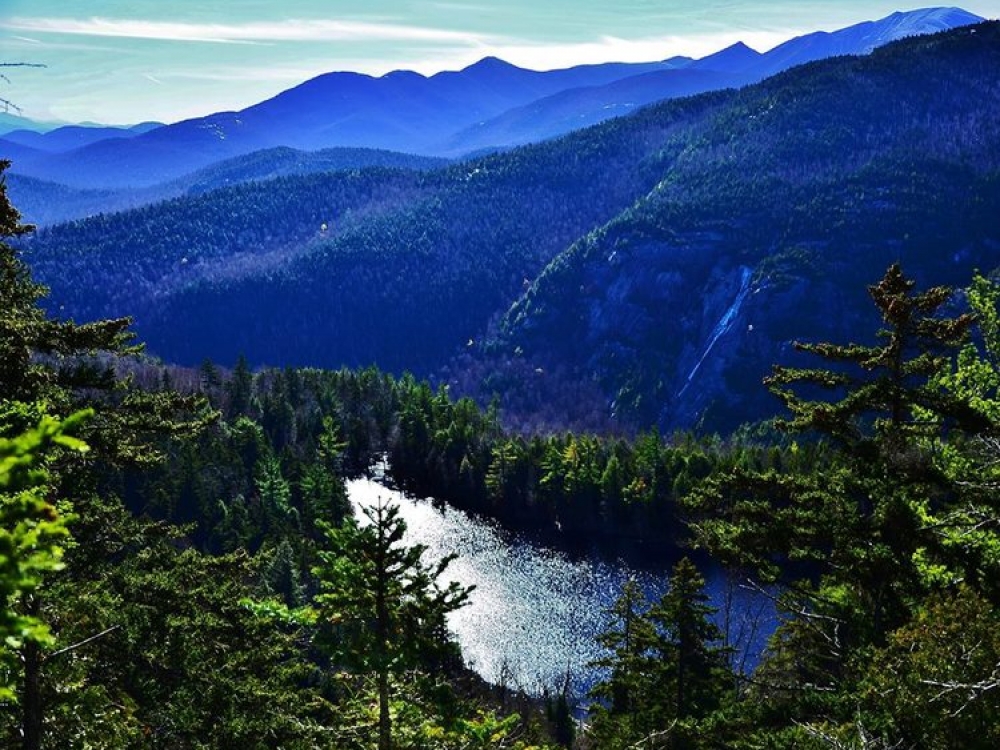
<point x="128" y="61"/>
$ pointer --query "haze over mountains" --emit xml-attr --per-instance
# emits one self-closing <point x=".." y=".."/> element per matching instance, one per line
<point x="659" y="262"/>
<point x="489" y="105"/>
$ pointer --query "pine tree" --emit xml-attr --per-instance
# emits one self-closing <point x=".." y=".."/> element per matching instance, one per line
<point x="891" y="394"/>
<point x="51" y="368"/>
<point x="240" y="390"/>
<point x="26" y="331"/>
<point x="692" y="671"/>
<point x="382" y="603"/>
<point x="626" y="692"/>
<point x="850" y="536"/>
<point x="31" y="534"/>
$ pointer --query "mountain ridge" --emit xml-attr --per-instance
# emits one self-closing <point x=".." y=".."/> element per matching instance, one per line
<point x="737" y="65"/>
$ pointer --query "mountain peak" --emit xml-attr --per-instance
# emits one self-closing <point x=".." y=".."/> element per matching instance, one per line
<point x="490" y="64"/>
<point x="926" y="20"/>
<point x="732" y="58"/>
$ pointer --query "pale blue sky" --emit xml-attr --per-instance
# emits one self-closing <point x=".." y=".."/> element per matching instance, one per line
<point x="123" y="61"/>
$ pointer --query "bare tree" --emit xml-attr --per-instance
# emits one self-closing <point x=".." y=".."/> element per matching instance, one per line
<point x="7" y="104"/>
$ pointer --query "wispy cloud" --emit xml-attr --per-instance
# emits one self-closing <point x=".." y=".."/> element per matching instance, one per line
<point x="248" y="33"/>
<point x="251" y="73"/>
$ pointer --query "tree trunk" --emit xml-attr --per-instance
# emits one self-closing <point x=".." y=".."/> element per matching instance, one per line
<point x="31" y="706"/>
<point x="384" y="720"/>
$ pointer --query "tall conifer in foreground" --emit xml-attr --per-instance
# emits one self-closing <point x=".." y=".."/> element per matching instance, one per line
<point x="49" y="370"/>
<point x="381" y="602"/>
<point x="852" y="540"/>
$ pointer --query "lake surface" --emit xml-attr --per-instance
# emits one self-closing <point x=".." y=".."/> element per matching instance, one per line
<point x="535" y="612"/>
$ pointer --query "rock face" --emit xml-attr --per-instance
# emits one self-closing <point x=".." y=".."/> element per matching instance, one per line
<point x="682" y="335"/>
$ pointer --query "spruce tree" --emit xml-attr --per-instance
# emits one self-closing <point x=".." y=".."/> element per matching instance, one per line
<point x="849" y="538"/>
<point x="692" y="673"/>
<point x="383" y="607"/>
<point x="626" y="693"/>
<point x="51" y="369"/>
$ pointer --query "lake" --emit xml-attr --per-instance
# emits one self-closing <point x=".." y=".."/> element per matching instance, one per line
<point x="534" y="615"/>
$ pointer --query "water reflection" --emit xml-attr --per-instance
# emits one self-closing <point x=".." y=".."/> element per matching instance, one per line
<point x="535" y="612"/>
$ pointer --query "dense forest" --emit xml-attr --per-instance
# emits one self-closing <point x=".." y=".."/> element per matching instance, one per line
<point x="180" y="567"/>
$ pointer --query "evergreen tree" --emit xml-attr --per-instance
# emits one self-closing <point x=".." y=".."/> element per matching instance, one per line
<point x="625" y="693"/>
<point x="31" y="533"/>
<point x="52" y="368"/>
<point x="692" y="668"/>
<point x="240" y="390"/>
<point x="849" y="536"/>
<point x="26" y="331"/>
<point x="382" y="603"/>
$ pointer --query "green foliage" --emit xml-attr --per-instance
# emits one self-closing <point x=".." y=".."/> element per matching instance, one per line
<point x="31" y="534"/>
<point x="935" y="683"/>
<point x="860" y="539"/>
<point x="177" y="660"/>
<point x="667" y="669"/>
<point x="975" y="376"/>
<point x="896" y="392"/>
<point x="694" y="663"/>
<point x="630" y="638"/>
<point x="382" y="605"/>
<point x="201" y="634"/>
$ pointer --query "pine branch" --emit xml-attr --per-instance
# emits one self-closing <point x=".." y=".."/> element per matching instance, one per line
<point x="84" y="642"/>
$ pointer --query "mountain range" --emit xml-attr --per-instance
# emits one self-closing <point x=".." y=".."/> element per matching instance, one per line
<point x="650" y="267"/>
<point x="737" y="65"/>
<point x="487" y="106"/>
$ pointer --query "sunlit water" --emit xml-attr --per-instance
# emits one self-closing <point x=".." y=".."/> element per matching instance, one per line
<point x="535" y="612"/>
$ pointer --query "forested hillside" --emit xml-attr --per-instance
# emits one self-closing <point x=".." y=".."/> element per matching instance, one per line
<point x="772" y="212"/>
<point x="183" y="568"/>
<point x="402" y="285"/>
<point x="173" y="575"/>
<point x="783" y="197"/>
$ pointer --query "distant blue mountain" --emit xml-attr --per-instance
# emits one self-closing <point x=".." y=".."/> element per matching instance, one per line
<point x="71" y="137"/>
<point x="16" y="152"/>
<point x="737" y="65"/>
<point x="10" y="121"/>
<point x="861" y="38"/>
<point x="491" y="104"/>
<point x="402" y="110"/>
<point x="734" y="58"/>
<point x="43" y="203"/>
<point x="581" y="107"/>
